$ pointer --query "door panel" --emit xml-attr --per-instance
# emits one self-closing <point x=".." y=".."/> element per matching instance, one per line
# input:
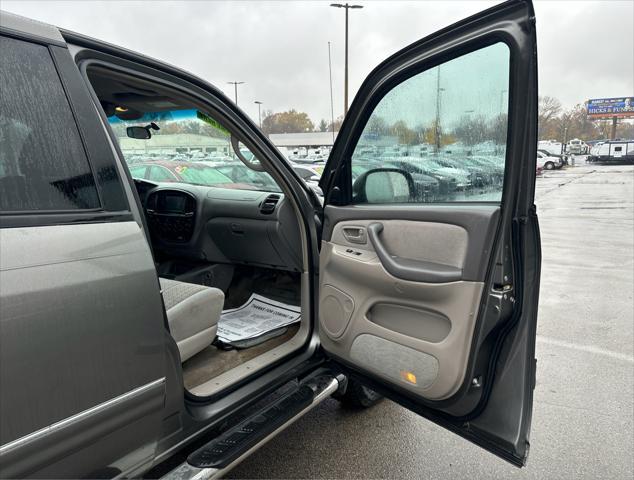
<point x="422" y="329"/>
<point x="429" y="224"/>
<point x="429" y="268"/>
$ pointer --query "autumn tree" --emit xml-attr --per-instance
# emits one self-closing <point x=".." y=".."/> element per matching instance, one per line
<point x="625" y="130"/>
<point x="405" y="135"/>
<point x="579" y="125"/>
<point x="291" y="121"/>
<point x="436" y="135"/>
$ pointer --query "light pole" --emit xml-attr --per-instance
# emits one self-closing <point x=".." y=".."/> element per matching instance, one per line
<point x="347" y="6"/>
<point x="332" y="108"/>
<point x="259" y="112"/>
<point x="437" y="126"/>
<point x="235" y="85"/>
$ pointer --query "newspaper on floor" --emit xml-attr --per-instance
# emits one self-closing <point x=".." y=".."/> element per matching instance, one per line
<point x="257" y="317"/>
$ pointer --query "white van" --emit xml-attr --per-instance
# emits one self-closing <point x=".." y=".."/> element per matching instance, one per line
<point x="577" y="147"/>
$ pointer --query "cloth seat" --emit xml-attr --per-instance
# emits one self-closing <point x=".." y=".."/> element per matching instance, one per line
<point x="193" y="312"/>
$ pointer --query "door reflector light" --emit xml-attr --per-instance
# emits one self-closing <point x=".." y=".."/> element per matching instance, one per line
<point x="409" y="377"/>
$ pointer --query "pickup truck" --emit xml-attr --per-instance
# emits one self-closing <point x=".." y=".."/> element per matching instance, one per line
<point x="169" y="321"/>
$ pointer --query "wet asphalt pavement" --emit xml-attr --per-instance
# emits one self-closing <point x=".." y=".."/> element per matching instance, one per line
<point x="584" y="399"/>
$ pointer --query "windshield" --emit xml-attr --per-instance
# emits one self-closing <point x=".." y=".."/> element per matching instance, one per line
<point x="184" y="137"/>
<point x="201" y="175"/>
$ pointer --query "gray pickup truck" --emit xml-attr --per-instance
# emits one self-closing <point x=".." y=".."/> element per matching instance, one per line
<point x="173" y="295"/>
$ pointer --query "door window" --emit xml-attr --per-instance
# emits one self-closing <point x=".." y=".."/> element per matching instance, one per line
<point x="43" y="165"/>
<point x="446" y="127"/>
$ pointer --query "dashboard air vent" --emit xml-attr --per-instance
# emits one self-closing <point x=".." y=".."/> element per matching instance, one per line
<point x="268" y="205"/>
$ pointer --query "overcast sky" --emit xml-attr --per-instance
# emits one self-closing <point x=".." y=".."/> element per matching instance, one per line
<point x="280" y="49"/>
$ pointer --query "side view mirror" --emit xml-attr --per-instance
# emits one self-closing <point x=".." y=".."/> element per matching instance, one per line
<point x="384" y="185"/>
<point x="141" y="133"/>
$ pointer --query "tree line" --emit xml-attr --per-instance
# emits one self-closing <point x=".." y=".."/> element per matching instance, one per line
<point x="557" y="123"/>
<point x="470" y="129"/>
<point x="554" y="123"/>
<point x="293" y="121"/>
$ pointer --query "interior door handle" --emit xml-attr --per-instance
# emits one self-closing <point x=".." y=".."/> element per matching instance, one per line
<point x="408" y="269"/>
<point x="355" y="235"/>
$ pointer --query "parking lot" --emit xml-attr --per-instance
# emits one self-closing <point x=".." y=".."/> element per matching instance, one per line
<point x="583" y="417"/>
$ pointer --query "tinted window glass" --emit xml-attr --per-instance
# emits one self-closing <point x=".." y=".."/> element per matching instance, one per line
<point x="43" y="165"/>
<point x="446" y="127"/>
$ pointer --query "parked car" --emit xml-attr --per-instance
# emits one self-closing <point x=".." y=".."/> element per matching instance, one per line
<point x="426" y="185"/>
<point x="551" y="147"/>
<point x="120" y="298"/>
<point x="549" y="162"/>
<point x="447" y="183"/>
<point x="309" y="173"/>
<point x="550" y="154"/>
<point x="229" y="175"/>
<point x="241" y="174"/>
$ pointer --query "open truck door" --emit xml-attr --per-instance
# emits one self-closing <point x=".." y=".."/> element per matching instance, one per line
<point x="430" y="296"/>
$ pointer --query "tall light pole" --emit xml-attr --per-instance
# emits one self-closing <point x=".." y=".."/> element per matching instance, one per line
<point x="332" y="107"/>
<point x="439" y="90"/>
<point x="259" y="104"/>
<point x="347" y="6"/>
<point x="235" y="86"/>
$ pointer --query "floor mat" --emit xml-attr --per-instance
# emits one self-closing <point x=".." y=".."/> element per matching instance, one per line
<point x="259" y="319"/>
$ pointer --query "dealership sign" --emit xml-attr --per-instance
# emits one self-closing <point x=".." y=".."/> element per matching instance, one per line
<point x="622" y="107"/>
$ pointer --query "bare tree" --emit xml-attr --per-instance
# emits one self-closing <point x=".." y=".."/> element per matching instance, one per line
<point x="548" y="110"/>
<point x="471" y="129"/>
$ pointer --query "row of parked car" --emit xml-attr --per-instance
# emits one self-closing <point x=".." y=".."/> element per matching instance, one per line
<point x="436" y="176"/>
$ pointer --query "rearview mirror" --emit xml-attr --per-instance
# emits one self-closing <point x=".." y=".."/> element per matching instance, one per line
<point x="383" y="185"/>
<point x="141" y="133"/>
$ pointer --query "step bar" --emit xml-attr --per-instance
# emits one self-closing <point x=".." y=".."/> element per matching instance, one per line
<point x="219" y="456"/>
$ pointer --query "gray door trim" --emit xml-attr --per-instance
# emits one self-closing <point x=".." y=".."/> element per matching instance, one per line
<point x="102" y="418"/>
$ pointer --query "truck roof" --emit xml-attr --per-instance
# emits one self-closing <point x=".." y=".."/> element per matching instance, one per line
<point x="20" y="24"/>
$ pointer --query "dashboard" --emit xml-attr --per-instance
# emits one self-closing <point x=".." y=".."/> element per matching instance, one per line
<point x="222" y="225"/>
<point x="171" y="215"/>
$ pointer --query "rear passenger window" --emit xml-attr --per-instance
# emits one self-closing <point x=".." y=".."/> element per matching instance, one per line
<point x="43" y="165"/>
<point x="446" y="127"/>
